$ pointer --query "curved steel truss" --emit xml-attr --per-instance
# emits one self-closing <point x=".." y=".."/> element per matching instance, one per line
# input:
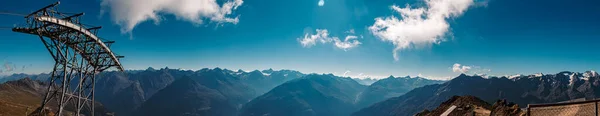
<point x="78" y="54"/>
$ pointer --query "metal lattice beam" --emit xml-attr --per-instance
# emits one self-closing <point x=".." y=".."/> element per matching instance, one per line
<point x="78" y="54"/>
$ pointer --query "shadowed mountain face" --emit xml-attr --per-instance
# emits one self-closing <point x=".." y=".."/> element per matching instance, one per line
<point x="322" y="95"/>
<point x="123" y="92"/>
<point x="213" y="92"/>
<point x="153" y="81"/>
<point x="266" y="80"/>
<point x="187" y="97"/>
<point x="391" y="87"/>
<point x="225" y="82"/>
<point x="240" y="87"/>
<point x="127" y="99"/>
<point x="522" y="90"/>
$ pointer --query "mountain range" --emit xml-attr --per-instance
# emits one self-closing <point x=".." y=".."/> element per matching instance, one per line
<point x="391" y="87"/>
<point x="522" y="90"/>
<point x="126" y="92"/>
<point x="234" y="87"/>
<point x="226" y="92"/>
<point x="210" y="91"/>
<point x="312" y="95"/>
<point x="185" y="96"/>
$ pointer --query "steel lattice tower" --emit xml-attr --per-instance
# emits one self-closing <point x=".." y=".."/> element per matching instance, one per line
<point x="78" y="54"/>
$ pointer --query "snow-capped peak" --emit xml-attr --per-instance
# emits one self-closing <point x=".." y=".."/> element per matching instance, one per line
<point x="538" y="74"/>
<point x="573" y="78"/>
<point x="590" y="73"/>
<point x="515" y="76"/>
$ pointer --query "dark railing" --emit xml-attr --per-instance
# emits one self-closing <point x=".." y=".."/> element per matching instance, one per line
<point x="578" y="108"/>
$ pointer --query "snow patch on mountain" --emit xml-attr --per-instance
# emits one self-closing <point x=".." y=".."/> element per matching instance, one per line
<point x="515" y="76"/>
<point x="590" y="73"/>
<point x="573" y="78"/>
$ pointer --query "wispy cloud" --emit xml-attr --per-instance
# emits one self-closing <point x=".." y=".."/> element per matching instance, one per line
<point x="322" y="36"/>
<point x="418" y="26"/>
<point x="348" y="43"/>
<point x="364" y="76"/>
<point x="309" y="40"/>
<point x="321" y="2"/>
<point x="361" y="74"/>
<point x="7" y="67"/>
<point x="129" y="13"/>
<point x="346" y="73"/>
<point x="351" y="31"/>
<point x="25" y="67"/>
<point x="460" y="69"/>
<point x="480" y="71"/>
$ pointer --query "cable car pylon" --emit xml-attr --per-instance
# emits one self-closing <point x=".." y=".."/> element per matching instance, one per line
<point x="78" y="54"/>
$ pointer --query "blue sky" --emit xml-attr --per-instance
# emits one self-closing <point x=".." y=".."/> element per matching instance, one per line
<point x="496" y="37"/>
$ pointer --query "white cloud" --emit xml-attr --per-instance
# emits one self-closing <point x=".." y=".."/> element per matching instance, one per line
<point x="351" y="31"/>
<point x="8" y="67"/>
<point x="459" y="68"/>
<point x="364" y="76"/>
<point x="477" y="70"/>
<point x="348" y="43"/>
<point x="346" y="73"/>
<point x="310" y="40"/>
<point x="322" y="36"/>
<point x="321" y="2"/>
<point x="418" y="26"/>
<point x="129" y="13"/>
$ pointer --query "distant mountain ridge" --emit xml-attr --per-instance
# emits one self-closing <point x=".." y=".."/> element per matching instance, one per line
<point x="13" y="77"/>
<point x="186" y="97"/>
<point x="124" y="92"/>
<point x="391" y="87"/>
<point x="128" y="93"/>
<point x="520" y="89"/>
<point x="325" y="95"/>
<point x="313" y="95"/>
<point x="366" y="81"/>
<point x="235" y="87"/>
